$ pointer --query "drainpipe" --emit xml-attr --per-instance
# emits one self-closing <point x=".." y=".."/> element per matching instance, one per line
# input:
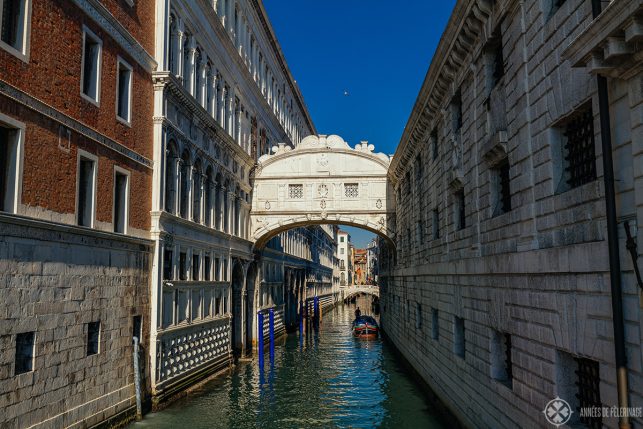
<point x="137" y="381"/>
<point x="612" y="241"/>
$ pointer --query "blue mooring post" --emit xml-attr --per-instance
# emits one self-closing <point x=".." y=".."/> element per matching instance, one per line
<point x="271" y="320"/>
<point x="260" y="339"/>
<point x="316" y="310"/>
<point x="301" y="318"/>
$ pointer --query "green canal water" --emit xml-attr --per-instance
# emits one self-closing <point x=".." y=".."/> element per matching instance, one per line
<point x="327" y="379"/>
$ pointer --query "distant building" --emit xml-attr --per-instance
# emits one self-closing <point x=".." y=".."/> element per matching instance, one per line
<point x="360" y="260"/>
<point x="351" y="264"/>
<point x="372" y="257"/>
<point x="343" y="254"/>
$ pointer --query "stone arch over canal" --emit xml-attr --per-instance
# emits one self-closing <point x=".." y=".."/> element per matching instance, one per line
<point x="322" y="181"/>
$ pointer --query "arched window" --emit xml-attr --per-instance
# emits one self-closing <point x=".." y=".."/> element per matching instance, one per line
<point x="172" y="46"/>
<point x="187" y="63"/>
<point x="197" y="191"/>
<point x="208" y="189"/>
<point x="170" y="177"/>
<point x="226" y="208"/>
<point x="218" y="203"/>
<point x="185" y="188"/>
<point x="198" y="78"/>
<point x="209" y="90"/>
<point x="237" y="212"/>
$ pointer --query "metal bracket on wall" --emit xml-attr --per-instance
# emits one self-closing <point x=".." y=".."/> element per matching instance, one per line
<point x="630" y="244"/>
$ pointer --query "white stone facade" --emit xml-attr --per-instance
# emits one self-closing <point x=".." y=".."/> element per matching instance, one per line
<point x="343" y="250"/>
<point x="500" y="288"/>
<point x="223" y="93"/>
<point x="322" y="181"/>
<point x="56" y="280"/>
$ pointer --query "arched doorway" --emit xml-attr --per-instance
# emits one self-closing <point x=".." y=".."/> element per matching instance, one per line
<point x="239" y="312"/>
<point x="251" y="318"/>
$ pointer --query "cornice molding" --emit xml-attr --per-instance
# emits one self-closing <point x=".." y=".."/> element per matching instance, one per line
<point x="466" y="27"/>
<point x="263" y="16"/>
<point x="171" y="83"/>
<point x="56" y="115"/>
<point x="103" y="17"/>
<point x="611" y="40"/>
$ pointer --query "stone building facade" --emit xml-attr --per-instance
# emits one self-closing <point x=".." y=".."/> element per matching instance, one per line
<point x="298" y="265"/>
<point x="344" y="258"/>
<point x="500" y="294"/>
<point x="75" y="148"/>
<point x="223" y="96"/>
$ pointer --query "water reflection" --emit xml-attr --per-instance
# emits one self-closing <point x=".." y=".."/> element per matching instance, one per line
<point x="322" y="379"/>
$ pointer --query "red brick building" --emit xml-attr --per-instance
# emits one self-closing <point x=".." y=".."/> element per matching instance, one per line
<point x="76" y="102"/>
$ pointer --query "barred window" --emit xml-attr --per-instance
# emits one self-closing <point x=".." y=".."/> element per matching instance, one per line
<point x="579" y="149"/>
<point x="296" y="191"/>
<point x="24" y="352"/>
<point x="456" y="112"/>
<point x="434" y="143"/>
<point x="93" y="338"/>
<point x="502" y="189"/>
<point x="351" y="190"/>
<point x="458" y="337"/>
<point x="460" y="219"/>
<point x="436" y="223"/>
<point x="496" y="61"/>
<point x="589" y="393"/>
<point x="501" y="364"/>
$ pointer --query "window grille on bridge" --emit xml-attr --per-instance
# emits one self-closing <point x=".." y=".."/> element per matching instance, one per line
<point x="580" y="157"/>
<point x="351" y="190"/>
<point x="296" y="191"/>
<point x="589" y="394"/>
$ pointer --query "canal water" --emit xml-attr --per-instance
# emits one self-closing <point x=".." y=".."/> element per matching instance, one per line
<point x="326" y="379"/>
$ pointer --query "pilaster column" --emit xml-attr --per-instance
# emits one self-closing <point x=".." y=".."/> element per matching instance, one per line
<point x="221" y="102"/>
<point x="230" y="16"/>
<point x="179" y="191"/>
<point x="220" y="207"/>
<point x="228" y="222"/>
<point x="203" y="90"/>
<point x="188" y="81"/>
<point x="237" y="217"/>
<point x="201" y="182"/>
<point x="190" y="187"/>
<point x="211" y="209"/>
<point x="231" y="107"/>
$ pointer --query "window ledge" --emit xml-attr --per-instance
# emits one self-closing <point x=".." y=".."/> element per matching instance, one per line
<point x="15" y="52"/>
<point x="89" y="99"/>
<point x="124" y="121"/>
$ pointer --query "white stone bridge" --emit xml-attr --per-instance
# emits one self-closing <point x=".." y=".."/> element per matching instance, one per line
<point x="350" y="291"/>
<point x="322" y="181"/>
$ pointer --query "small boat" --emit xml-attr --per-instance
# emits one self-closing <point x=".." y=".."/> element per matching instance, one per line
<point x="365" y="327"/>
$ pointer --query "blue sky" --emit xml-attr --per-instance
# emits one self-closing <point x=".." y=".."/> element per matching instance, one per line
<point x="377" y="50"/>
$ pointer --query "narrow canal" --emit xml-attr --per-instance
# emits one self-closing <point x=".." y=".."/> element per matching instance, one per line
<point x="324" y="380"/>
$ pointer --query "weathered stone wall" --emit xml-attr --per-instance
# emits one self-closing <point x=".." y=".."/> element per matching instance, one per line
<point x="54" y="280"/>
<point x="538" y="272"/>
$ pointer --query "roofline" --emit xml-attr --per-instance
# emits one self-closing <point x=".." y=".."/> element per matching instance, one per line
<point x="265" y="21"/>
<point x="438" y="60"/>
